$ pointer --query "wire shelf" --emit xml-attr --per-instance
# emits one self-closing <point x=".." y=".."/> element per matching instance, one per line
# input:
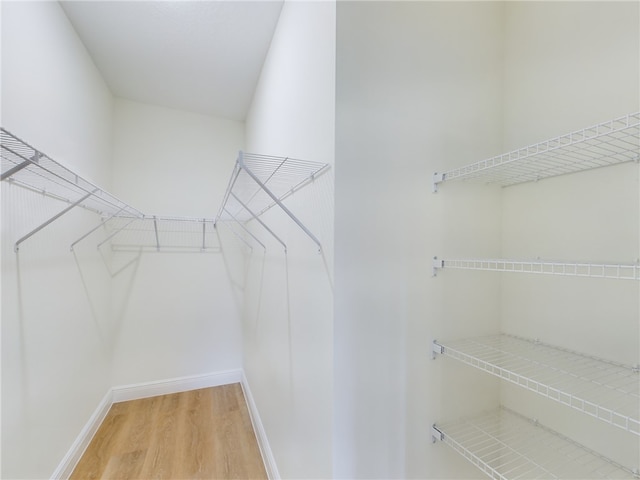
<point x="506" y="445"/>
<point x="608" y="143"/>
<point x="573" y="269"/>
<point x="602" y="389"/>
<point x="29" y="168"/>
<point x="155" y="233"/>
<point x="260" y="182"/>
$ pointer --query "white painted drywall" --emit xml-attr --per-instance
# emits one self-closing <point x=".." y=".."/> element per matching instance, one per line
<point x="55" y="351"/>
<point x="176" y="313"/>
<point x="288" y="316"/>
<point x="569" y="65"/>
<point x="418" y="90"/>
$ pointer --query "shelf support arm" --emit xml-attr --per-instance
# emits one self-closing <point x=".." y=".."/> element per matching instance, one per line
<point x="204" y="233"/>
<point x="15" y="169"/>
<point x="255" y="217"/>
<point x="25" y="163"/>
<point x="155" y="227"/>
<point x="246" y="229"/>
<point x="278" y="202"/>
<point x="96" y="228"/>
<point x="232" y="182"/>
<point x="235" y="234"/>
<point x="52" y="219"/>
<point x="116" y="232"/>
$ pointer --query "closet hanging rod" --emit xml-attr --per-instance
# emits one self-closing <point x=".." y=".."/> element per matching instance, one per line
<point x="608" y="143"/>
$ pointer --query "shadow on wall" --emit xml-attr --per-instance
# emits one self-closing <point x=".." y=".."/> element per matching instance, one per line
<point x="288" y="306"/>
<point x="235" y="261"/>
<point x="21" y="341"/>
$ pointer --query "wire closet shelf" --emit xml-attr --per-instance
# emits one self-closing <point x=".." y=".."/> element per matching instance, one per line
<point x="506" y="445"/>
<point x="160" y="233"/>
<point x="261" y="182"/>
<point x="609" y="143"/>
<point x="28" y="167"/>
<point x="602" y="389"/>
<point x="541" y="267"/>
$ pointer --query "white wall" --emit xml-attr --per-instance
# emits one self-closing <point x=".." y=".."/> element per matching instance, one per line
<point x="288" y="317"/>
<point x="418" y="91"/>
<point x="569" y="65"/>
<point x="55" y="356"/>
<point x="176" y="313"/>
<point x="426" y="87"/>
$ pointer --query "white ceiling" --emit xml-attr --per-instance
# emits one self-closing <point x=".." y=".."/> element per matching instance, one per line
<point x="201" y="56"/>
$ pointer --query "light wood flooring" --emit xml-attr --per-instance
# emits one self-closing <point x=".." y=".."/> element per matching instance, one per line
<point x="201" y="434"/>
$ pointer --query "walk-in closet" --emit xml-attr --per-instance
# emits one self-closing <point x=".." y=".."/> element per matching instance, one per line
<point x="399" y="239"/>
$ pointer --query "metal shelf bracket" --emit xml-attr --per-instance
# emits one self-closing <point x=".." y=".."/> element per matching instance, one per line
<point x="436" y="265"/>
<point x="436" y="435"/>
<point x="436" y="349"/>
<point x="437" y="178"/>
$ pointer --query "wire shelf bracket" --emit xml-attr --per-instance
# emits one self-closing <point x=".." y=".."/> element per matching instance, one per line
<point x="16" y="246"/>
<point x="260" y="182"/>
<point x="599" y="388"/>
<point x="609" y="143"/>
<point x="505" y="445"/>
<point x="619" y="271"/>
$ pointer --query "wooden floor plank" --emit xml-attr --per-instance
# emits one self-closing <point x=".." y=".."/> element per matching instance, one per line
<point x="201" y="434"/>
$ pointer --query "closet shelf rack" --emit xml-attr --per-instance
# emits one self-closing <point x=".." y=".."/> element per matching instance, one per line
<point x="260" y="182"/>
<point x="158" y="233"/>
<point x="29" y="168"/>
<point x="602" y="389"/>
<point x="608" y="143"/>
<point x="542" y="267"/>
<point x="506" y="445"/>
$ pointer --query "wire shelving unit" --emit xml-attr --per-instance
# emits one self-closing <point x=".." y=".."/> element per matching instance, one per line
<point x="602" y="389"/>
<point x="609" y="143"/>
<point x="506" y="445"/>
<point x="29" y="168"/>
<point x="257" y="184"/>
<point x="619" y="271"/>
<point x="158" y="233"/>
<point x="261" y="182"/>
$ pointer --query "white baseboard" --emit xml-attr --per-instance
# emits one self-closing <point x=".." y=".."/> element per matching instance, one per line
<point x="124" y="393"/>
<point x="71" y="459"/>
<point x="261" y="435"/>
<point x="134" y="392"/>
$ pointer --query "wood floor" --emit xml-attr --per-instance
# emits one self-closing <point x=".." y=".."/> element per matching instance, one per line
<point x="198" y="434"/>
